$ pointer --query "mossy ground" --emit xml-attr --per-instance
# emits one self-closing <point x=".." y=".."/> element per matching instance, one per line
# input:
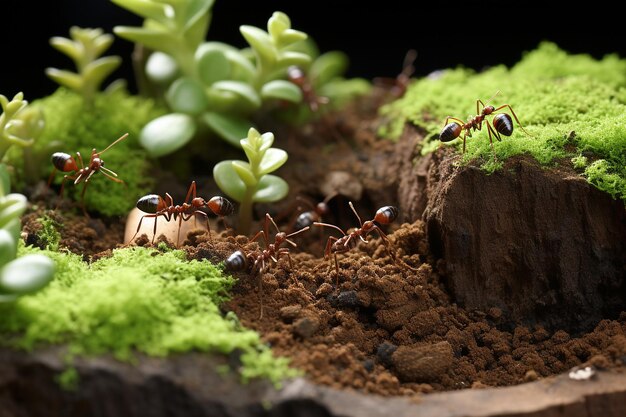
<point x="552" y="93"/>
<point x="137" y="300"/>
<point x="70" y="127"/>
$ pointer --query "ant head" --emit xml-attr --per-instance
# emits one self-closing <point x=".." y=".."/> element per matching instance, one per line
<point x="97" y="161"/>
<point x="198" y="202"/>
<point x="386" y="215"/>
<point x="281" y="237"/>
<point x="150" y="203"/>
<point x="322" y="208"/>
<point x="488" y="110"/>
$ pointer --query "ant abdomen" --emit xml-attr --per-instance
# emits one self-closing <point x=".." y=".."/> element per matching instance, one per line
<point x="220" y="206"/>
<point x="149" y="203"/>
<point x="305" y="219"/>
<point x="503" y="123"/>
<point x="386" y="215"/>
<point x="237" y="261"/>
<point x="63" y="162"/>
<point x="450" y="132"/>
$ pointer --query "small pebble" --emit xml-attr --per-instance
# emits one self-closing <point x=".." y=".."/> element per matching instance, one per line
<point x="305" y="327"/>
<point x="384" y="352"/>
<point x="423" y="363"/>
<point x="290" y="313"/>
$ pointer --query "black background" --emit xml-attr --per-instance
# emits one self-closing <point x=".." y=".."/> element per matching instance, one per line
<point x="473" y="34"/>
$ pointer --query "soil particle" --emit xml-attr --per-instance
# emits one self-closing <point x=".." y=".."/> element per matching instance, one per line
<point x="422" y="363"/>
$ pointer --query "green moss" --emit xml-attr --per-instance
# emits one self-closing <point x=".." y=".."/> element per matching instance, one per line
<point x="49" y="235"/>
<point x="552" y="93"/>
<point x="138" y="300"/>
<point x="70" y="127"/>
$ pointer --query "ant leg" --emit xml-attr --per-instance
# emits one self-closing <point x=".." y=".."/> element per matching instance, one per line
<point x="206" y="217"/>
<point x="514" y="115"/>
<point x="456" y="119"/>
<point x="54" y="171"/>
<point x="139" y="226"/>
<point x="106" y="172"/>
<point x="80" y="159"/>
<point x="490" y="129"/>
<point x="65" y="178"/>
<point x="192" y="189"/>
<point x="479" y="101"/>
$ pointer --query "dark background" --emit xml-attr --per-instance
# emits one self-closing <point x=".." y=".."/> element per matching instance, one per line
<point x="474" y="34"/>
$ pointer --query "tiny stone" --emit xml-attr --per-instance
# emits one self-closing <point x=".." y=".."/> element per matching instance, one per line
<point x="324" y="290"/>
<point x="348" y="299"/>
<point x="495" y="313"/>
<point x="290" y="313"/>
<point x="531" y="375"/>
<point x="368" y="364"/>
<point x="305" y="327"/>
<point x="423" y="363"/>
<point x="384" y="352"/>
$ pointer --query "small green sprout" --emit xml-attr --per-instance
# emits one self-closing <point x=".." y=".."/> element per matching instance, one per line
<point x="250" y="182"/>
<point x="19" y="125"/>
<point x="210" y="83"/>
<point x="28" y="273"/>
<point x="85" y="48"/>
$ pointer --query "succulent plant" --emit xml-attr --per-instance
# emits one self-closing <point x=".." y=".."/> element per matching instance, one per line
<point x="210" y="83"/>
<point x="251" y="182"/>
<point x="85" y="48"/>
<point x="28" y="273"/>
<point x="19" y="125"/>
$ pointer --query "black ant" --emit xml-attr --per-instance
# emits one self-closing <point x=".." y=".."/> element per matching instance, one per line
<point x="157" y="206"/>
<point x="502" y="124"/>
<point x="315" y="214"/>
<point x="297" y="76"/>
<point x="80" y="173"/>
<point x="398" y="86"/>
<point x="335" y="245"/>
<point x="260" y="260"/>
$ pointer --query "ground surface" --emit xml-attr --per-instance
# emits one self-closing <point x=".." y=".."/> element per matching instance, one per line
<point x="382" y="326"/>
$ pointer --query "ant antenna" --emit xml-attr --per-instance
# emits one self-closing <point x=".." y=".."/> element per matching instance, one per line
<point x="492" y="97"/>
<point x="355" y="213"/>
<point x="124" y="136"/>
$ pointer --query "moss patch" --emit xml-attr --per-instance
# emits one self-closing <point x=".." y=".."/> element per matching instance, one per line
<point x="70" y="127"/>
<point x="137" y="300"/>
<point x="552" y="93"/>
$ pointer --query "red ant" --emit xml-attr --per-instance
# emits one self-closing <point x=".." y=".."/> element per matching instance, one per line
<point x="335" y="245"/>
<point x="398" y="86"/>
<point x="66" y="163"/>
<point x="315" y="214"/>
<point x="157" y="206"/>
<point x="263" y="259"/>
<point x="297" y="76"/>
<point x="502" y="124"/>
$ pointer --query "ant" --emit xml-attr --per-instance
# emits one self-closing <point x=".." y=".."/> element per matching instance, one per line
<point x="156" y="206"/>
<point x="335" y="245"/>
<point x="398" y="86"/>
<point x="502" y="124"/>
<point x="261" y="260"/>
<point x="297" y="76"/>
<point x="80" y="173"/>
<point x="315" y="214"/>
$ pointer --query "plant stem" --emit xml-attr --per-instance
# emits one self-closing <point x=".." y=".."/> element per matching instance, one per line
<point x="245" y="213"/>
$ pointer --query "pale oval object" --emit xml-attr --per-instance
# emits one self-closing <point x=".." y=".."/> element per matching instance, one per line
<point x="165" y="228"/>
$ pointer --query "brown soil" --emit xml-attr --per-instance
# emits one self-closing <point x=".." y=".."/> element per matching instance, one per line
<point x="384" y="325"/>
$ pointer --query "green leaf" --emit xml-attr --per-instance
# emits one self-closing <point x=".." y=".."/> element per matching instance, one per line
<point x="95" y="72"/>
<point x="161" y="67"/>
<point x="282" y="90"/>
<point x="151" y="38"/>
<point x="67" y="47"/>
<point x="229" y="182"/>
<point x="213" y="65"/>
<point x="244" y="171"/>
<point x="267" y="139"/>
<point x="260" y="41"/>
<point x="229" y="127"/>
<point x="196" y="11"/>
<point x="242" y="89"/>
<point x="5" y="182"/>
<point x="101" y="43"/>
<point x="12" y="207"/>
<point x="273" y="159"/>
<point x="270" y="188"/>
<point x="289" y="58"/>
<point x="8" y="247"/>
<point x="186" y="96"/>
<point x="165" y="134"/>
<point x="145" y="8"/>
<point x="290" y="36"/>
<point x="27" y="274"/>
<point x="277" y="24"/>
<point x="65" y="78"/>
<point x="328" y="66"/>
